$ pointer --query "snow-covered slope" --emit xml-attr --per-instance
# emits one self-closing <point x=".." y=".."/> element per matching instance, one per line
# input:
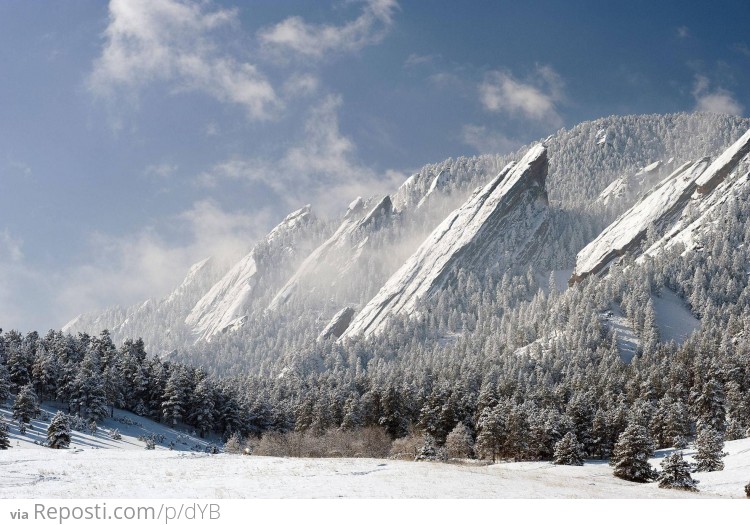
<point x="500" y="223"/>
<point x="130" y="426"/>
<point x="662" y="209"/>
<point x="332" y="259"/>
<point x="222" y="308"/>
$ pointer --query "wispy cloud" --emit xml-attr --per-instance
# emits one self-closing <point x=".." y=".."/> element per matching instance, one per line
<point x="150" y="262"/>
<point x="163" y="170"/>
<point x="683" y="32"/>
<point x="321" y="167"/>
<point x="296" y="37"/>
<point x="535" y="98"/>
<point x="175" y="42"/>
<point x="717" y="100"/>
<point x="10" y="247"/>
<point x="414" y="60"/>
<point x="488" y="141"/>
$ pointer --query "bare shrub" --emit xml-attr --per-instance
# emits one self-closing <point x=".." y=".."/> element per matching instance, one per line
<point x="372" y="442"/>
<point x="459" y="444"/>
<point x="406" y="447"/>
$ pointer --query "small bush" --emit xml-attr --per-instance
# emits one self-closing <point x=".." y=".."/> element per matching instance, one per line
<point x="406" y="447"/>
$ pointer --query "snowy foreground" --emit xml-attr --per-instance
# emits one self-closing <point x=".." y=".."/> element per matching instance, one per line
<point x="99" y="467"/>
<point x="112" y="473"/>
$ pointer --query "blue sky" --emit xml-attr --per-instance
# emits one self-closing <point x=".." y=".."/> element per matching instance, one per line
<point x="139" y="136"/>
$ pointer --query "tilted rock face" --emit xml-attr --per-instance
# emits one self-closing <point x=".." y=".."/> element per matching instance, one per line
<point x="339" y="253"/>
<point x="662" y="210"/>
<point x="221" y="308"/>
<point x="503" y="221"/>
<point x="339" y="323"/>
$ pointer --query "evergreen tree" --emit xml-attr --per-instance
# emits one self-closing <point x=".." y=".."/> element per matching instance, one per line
<point x="631" y="453"/>
<point x="176" y="396"/>
<point x="675" y="474"/>
<point x="4" y="385"/>
<point x="568" y="451"/>
<point x="25" y="407"/>
<point x="710" y="445"/>
<point x="491" y="436"/>
<point x="202" y="416"/>
<point x="4" y="438"/>
<point x="58" y="432"/>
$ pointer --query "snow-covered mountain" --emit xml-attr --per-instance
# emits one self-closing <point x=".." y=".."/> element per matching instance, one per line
<point x="222" y="307"/>
<point x="698" y="184"/>
<point x="557" y="205"/>
<point x="503" y="223"/>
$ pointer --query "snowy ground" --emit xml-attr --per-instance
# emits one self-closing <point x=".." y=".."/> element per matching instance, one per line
<point x="99" y="467"/>
<point x="116" y="473"/>
<point x="129" y="425"/>
<point x="673" y="317"/>
<point x="627" y="340"/>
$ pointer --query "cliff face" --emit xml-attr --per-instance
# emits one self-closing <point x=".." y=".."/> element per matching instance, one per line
<point x="663" y="210"/>
<point x="221" y="308"/>
<point x="502" y="222"/>
<point x="339" y="253"/>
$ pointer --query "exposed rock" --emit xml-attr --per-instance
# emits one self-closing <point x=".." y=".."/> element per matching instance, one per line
<point x="338" y="324"/>
<point x="221" y="307"/>
<point x="504" y="221"/>
<point x="339" y="253"/>
<point x="663" y="210"/>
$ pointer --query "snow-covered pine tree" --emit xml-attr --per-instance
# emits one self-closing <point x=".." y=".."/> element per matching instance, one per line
<point x="25" y="407"/>
<point x="675" y="474"/>
<point x="4" y="384"/>
<point x="631" y="453"/>
<point x="4" y="439"/>
<point x="202" y="416"/>
<point x="710" y="445"/>
<point x="58" y="432"/>
<point x="459" y="444"/>
<point x="176" y="396"/>
<point x="568" y="451"/>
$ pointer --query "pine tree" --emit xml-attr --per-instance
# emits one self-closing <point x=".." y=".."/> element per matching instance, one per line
<point x="710" y="445"/>
<point x="176" y="396"/>
<point x="25" y="407"/>
<point x="492" y="431"/>
<point x="58" y="432"/>
<point x="4" y="384"/>
<point x="459" y="444"/>
<point x="202" y="416"/>
<point x="675" y="474"/>
<point x="568" y="451"/>
<point x="4" y="439"/>
<point x="631" y="453"/>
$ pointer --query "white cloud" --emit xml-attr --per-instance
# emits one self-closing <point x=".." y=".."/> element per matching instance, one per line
<point x="321" y="168"/>
<point x="534" y="99"/>
<point x="683" y="32"/>
<point x="414" y="60"/>
<point x="718" y="100"/>
<point x="10" y="247"/>
<point x="314" y="41"/>
<point x="174" y="41"/>
<point x="160" y="171"/>
<point x="301" y="84"/>
<point x="487" y="141"/>
<point x="125" y="270"/>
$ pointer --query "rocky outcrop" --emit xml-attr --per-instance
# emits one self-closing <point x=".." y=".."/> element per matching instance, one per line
<point x="340" y="252"/>
<point x="661" y="210"/>
<point x="221" y="308"/>
<point x="502" y="222"/>
<point x="339" y="323"/>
